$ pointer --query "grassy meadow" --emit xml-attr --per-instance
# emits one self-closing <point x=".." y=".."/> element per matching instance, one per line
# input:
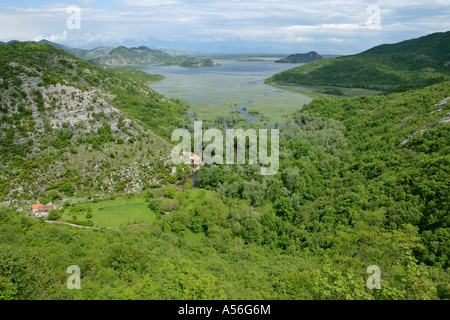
<point x="121" y="211"/>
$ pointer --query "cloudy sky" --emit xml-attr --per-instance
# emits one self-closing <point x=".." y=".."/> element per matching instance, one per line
<point x="224" y="26"/>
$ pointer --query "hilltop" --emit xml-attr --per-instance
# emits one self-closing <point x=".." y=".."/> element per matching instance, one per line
<point x="300" y="58"/>
<point x="110" y="57"/>
<point x="80" y="53"/>
<point x="409" y="64"/>
<point x="121" y="56"/>
<point x="197" y="62"/>
<point x="89" y="54"/>
<point x="71" y="128"/>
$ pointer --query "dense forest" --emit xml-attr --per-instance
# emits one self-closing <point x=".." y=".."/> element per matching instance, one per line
<point x="362" y="181"/>
<point x="394" y="67"/>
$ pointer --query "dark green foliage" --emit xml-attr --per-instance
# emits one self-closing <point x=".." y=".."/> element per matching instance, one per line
<point x="336" y="92"/>
<point x="54" y="214"/>
<point x="68" y="189"/>
<point x="343" y="160"/>
<point x="24" y="274"/>
<point x="283" y="208"/>
<point x="408" y="177"/>
<point x="104" y="133"/>
<point x="235" y="253"/>
<point x="397" y="67"/>
<point x="362" y="181"/>
<point x="170" y="192"/>
<point x="62" y="139"/>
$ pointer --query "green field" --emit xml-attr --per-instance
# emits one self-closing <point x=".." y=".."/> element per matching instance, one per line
<point x="114" y="213"/>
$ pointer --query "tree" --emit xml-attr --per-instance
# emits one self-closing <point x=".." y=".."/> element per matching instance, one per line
<point x="68" y="189"/>
<point x="154" y="205"/>
<point x="252" y="231"/>
<point x="253" y="192"/>
<point x="204" y="177"/>
<point x="54" y="214"/>
<point x="283" y="208"/>
<point x="170" y="192"/>
<point x="290" y="176"/>
<point x="364" y="245"/>
<point x="168" y="205"/>
<point x="188" y="184"/>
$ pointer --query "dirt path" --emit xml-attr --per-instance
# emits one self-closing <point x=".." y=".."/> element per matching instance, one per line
<point x="71" y="224"/>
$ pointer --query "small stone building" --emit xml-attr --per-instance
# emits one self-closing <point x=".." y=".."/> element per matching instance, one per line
<point x="41" y="211"/>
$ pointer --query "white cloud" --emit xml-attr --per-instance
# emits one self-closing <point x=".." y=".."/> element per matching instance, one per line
<point x="306" y="22"/>
<point x="147" y="3"/>
<point x="334" y="40"/>
<point x="53" y="37"/>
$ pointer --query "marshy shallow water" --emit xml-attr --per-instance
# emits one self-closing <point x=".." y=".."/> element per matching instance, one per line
<point x="232" y="85"/>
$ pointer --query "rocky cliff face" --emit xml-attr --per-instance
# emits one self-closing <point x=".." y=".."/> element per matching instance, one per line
<point x="70" y="138"/>
<point x="131" y="56"/>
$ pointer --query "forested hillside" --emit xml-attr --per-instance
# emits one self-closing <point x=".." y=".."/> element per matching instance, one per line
<point x="353" y="165"/>
<point x="409" y="64"/>
<point x="70" y="128"/>
<point x="363" y="181"/>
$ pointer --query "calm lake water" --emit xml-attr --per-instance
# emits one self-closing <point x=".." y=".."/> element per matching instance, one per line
<point x="219" y="90"/>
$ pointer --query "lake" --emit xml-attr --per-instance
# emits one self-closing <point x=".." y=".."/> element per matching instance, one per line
<point x="232" y="85"/>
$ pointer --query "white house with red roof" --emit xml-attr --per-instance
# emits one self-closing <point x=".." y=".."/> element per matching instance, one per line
<point x="41" y="211"/>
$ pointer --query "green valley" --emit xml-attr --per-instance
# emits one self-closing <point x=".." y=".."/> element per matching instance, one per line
<point x="363" y="181"/>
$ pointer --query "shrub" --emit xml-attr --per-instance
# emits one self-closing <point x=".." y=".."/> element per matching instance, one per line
<point x="168" y="205"/>
<point x="170" y="192"/>
<point x="54" y="215"/>
<point x="68" y="189"/>
<point x="154" y="205"/>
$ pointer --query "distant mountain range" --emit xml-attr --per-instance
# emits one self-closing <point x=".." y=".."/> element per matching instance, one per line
<point x="300" y="58"/>
<point x="12" y="41"/>
<point x="89" y="54"/>
<point x="177" y="53"/>
<point x="121" y="56"/>
<point x="79" y="53"/>
<point x="396" y="67"/>
<point x="131" y="56"/>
